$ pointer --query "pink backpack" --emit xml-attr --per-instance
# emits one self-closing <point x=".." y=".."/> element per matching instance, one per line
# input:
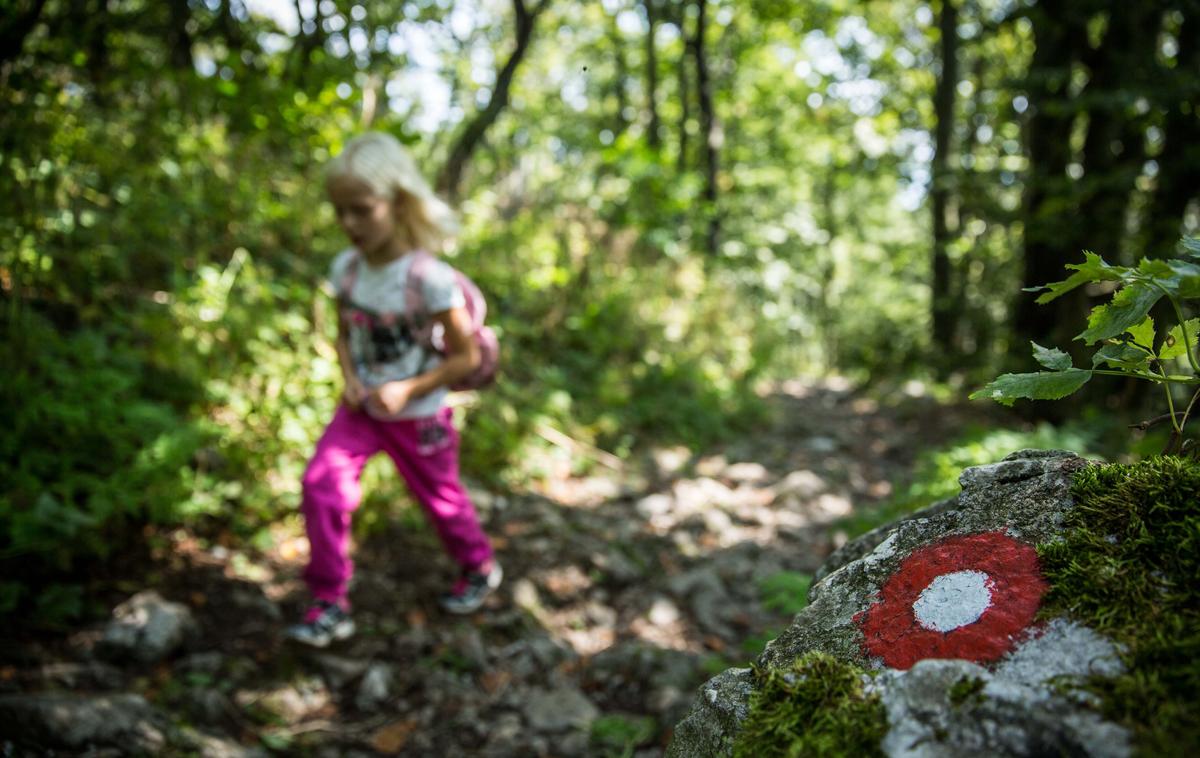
<point x="429" y="332"/>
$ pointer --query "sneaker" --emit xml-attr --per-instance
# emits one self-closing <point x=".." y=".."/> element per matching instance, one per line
<point x="323" y="623"/>
<point x="471" y="589"/>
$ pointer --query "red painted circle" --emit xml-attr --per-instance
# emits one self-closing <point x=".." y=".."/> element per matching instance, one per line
<point x="890" y="627"/>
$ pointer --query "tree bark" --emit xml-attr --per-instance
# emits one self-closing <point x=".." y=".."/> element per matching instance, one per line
<point x="653" y="137"/>
<point x="450" y="178"/>
<point x="620" y="123"/>
<point x="1114" y="150"/>
<point x="179" y="38"/>
<point x="708" y="125"/>
<point x="685" y="97"/>
<point x="16" y="28"/>
<point x="1178" y="181"/>
<point x="941" y="298"/>
<point x="1059" y="36"/>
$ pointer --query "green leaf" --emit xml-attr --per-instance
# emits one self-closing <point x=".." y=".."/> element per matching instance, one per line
<point x="1042" y="385"/>
<point x="1143" y="333"/>
<point x="1185" y="280"/>
<point x="1093" y="269"/>
<point x="1128" y="307"/>
<point x="1175" y="346"/>
<point x="1192" y="246"/>
<point x="1121" y="355"/>
<point x="1051" y="358"/>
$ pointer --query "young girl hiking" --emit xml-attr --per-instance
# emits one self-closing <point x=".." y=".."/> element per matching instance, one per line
<point x="392" y="295"/>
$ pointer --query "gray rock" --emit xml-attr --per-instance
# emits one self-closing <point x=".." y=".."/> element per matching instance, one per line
<point x="558" y="710"/>
<point x="375" y="688"/>
<point x="505" y="734"/>
<point x="89" y="675"/>
<point x="864" y="544"/>
<point x="1005" y="719"/>
<point x="212" y="746"/>
<point x="339" y="671"/>
<point x="1026" y="495"/>
<point x="146" y="628"/>
<point x="715" y="719"/>
<point x="70" y="721"/>
<point x="208" y="663"/>
<point x="210" y="707"/>
<point x="1016" y="709"/>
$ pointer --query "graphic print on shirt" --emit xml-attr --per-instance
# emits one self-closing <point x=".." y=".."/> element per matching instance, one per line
<point x="379" y="339"/>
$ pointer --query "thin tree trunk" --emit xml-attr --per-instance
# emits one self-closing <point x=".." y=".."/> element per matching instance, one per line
<point x="708" y="126"/>
<point x="16" y="28"/>
<point x="179" y="38"/>
<point x="1058" y="36"/>
<point x="620" y="122"/>
<point x="685" y="96"/>
<point x="1114" y="150"/>
<point x="942" y="299"/>
<point x="450" y="178"/>
<point x="1178" y="181"/>
<point x="653" y="136"/>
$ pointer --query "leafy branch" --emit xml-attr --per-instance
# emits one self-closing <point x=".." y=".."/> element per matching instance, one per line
<point x="1125" y="333"/>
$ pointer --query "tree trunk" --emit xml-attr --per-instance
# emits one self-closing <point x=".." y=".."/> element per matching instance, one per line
<point x="941" y="298"/>
<point x="1114" y="150"/>
<point x="15" y="28"/>
<point x="1178" y="181"/>
<point x="653" y="137"/>
<point x="685" y="97"/>
<point x="450" y="178"/>
<point x="619" y="123"/>
<point x="1059" y="35"/>
<point x="178" y="36"/>
<point x="708" y="126"/>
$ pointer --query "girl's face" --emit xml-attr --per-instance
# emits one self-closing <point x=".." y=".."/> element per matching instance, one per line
<point x="368" y="219"/>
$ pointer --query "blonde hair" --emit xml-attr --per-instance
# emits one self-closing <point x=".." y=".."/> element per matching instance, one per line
<point x="387" y="168"/>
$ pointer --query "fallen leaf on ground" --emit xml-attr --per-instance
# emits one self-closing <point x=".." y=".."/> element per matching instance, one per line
<point x="391" y="738"/>
<point x="494" y="681"/>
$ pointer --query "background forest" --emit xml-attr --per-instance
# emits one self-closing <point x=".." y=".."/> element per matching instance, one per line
<point x="670" y="204"/>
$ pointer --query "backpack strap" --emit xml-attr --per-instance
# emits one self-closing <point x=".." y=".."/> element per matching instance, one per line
<point x="416" y="310"/>
<point x="345" y="285"/>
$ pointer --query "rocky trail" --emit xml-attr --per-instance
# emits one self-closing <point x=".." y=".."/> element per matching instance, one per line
<point x="624" y="591"/>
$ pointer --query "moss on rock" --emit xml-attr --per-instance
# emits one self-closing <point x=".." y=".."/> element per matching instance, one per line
<point x="1129" y="567"/>
<point x="817" y="706"/>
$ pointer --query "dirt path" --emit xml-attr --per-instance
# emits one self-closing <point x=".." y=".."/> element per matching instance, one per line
<point x="624" y="591"/>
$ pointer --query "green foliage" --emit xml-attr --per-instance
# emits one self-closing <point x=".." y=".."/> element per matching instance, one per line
<point x="815" y="707"/>
<point x="785" y="592"/>
<point x="1131" y="347"/>
<point x="1129" y="566"/>
<point x="935" y="475"/>
<point x="616" y="735"/>
<point x="95" y="445"/>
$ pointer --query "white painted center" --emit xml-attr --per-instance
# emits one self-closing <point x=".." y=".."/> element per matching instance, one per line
<point x="953" y="600"/>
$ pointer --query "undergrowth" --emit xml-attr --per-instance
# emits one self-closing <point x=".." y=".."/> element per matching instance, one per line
<point x="1129" y="567"/>
<point x="816" y="707"/>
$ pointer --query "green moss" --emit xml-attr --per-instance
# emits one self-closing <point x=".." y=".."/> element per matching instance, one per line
<point x="1129" y="567"/>
<point x="815" y="707"/>
<point x="965" y="689"/>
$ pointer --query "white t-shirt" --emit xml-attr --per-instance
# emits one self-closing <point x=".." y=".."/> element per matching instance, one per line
<point x="382" y="346"/>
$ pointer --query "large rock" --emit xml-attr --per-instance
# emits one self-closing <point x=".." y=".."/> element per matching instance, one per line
<point x="943" y="603"/>
<point x="146" y="628"/>
<point x="74" y="722"/>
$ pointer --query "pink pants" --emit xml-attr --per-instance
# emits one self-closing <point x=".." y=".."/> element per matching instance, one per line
<point x="425" y="451"/>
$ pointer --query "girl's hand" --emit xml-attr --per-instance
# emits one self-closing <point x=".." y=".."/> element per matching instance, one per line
<point x="391" y="397"/>
<point x="354" y="394"/>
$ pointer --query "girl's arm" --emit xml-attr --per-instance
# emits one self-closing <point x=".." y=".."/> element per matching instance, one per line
<point x="462" y="357"/>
